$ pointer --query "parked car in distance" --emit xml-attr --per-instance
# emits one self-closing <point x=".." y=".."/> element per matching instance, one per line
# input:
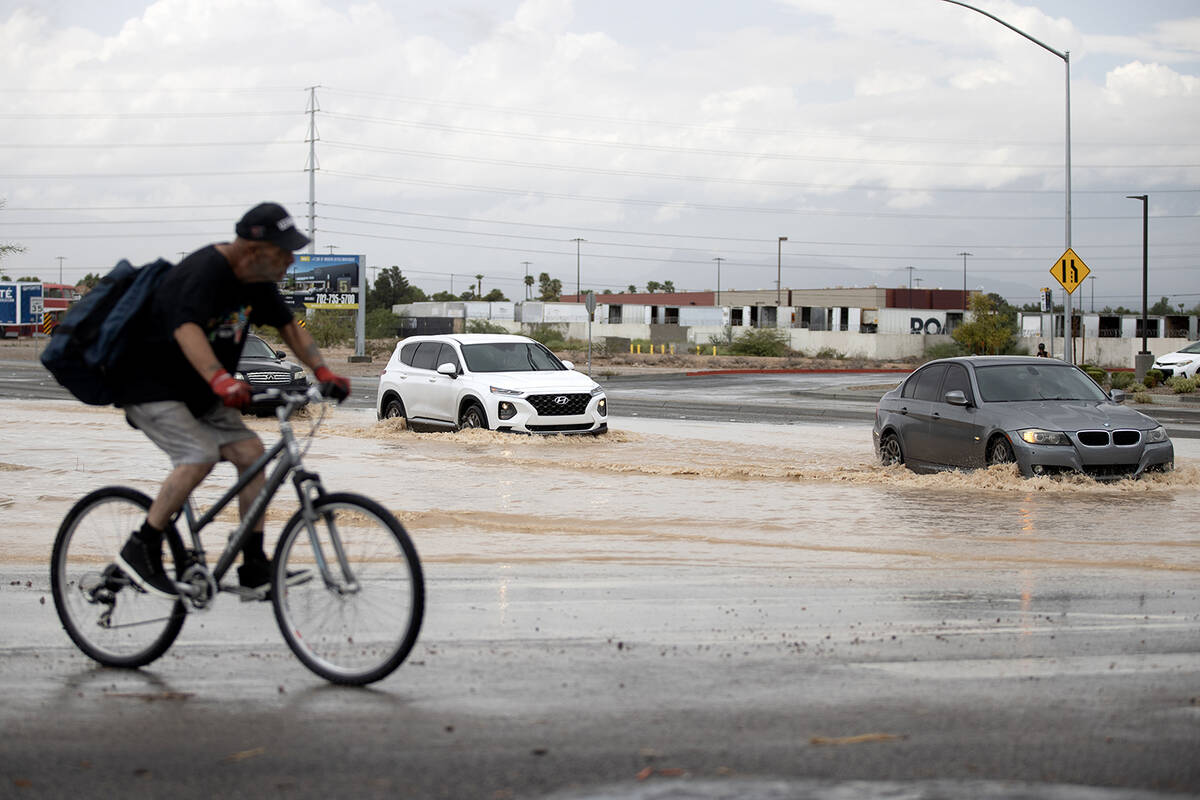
<point x="497" y="381"/>
<point x="1184" y="362"/>
<point x="264" y="367"/>
<point x="1047" y="416"/>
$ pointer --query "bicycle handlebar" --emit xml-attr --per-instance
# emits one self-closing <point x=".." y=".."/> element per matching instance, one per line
<point x="294" y="399"/>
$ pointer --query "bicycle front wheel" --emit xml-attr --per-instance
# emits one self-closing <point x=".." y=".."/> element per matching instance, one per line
<point x="352" y="619"/>
<point x="106" y="616"/>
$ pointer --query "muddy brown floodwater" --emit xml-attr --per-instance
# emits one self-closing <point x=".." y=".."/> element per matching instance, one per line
<point x="804" y="497"/>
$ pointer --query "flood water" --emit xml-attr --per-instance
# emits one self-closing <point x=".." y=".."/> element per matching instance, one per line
<point x="802" y="498"/>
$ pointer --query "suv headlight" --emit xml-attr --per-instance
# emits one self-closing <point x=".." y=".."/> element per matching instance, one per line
<point x="1159" y="434"/>
<point x="597" y="390"/>
<point x="1039" y="436"/>
<point x="506" y="392"/>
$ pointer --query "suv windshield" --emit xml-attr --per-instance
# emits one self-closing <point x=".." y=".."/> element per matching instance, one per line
<point x="1024" y="382"/>
<point x="509" y="357"/>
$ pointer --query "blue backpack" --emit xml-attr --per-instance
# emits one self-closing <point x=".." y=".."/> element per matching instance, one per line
<point x="94" y="334"/>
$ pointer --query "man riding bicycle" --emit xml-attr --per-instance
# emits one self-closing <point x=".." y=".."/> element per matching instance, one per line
<point x="177" y="388"/>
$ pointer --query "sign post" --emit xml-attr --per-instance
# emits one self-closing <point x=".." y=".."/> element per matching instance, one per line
<point x="589" y="302"/>
<point x="1070" y="271"/>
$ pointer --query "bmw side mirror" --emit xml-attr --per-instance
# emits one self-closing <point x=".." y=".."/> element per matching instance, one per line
<point x="1118" y="396"/>
<point x="955" y="397"/>
<point x="449" y="369"/>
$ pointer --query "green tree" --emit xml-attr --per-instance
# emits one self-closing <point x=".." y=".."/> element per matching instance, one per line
<point x="392" y="288"/>
<point x="444" y="297"/>
<point x="495" y="296"/>
<point x="551" y="288"/>
<point x="90" y="280"/>
<point x="29" y="279"/>
<point x="631" y="289"/>
<point x="1162" y="307"/>
<point x="528" y="286"/>
<point x="993" y="329"/>
<point x="653" y="286"/>
<point x="668" y="286"/>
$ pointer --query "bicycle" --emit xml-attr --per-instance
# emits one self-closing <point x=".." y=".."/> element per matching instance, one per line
<point x="347" y="587"/>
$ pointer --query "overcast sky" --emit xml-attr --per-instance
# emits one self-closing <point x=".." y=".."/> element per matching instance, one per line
<point x="467" y="138"/>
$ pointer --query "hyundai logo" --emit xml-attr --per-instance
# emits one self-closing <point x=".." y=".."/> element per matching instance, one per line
<point x="561" y="400"/>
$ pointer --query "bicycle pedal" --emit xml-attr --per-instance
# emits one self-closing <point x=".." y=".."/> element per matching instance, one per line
<point x="247" y="595"/>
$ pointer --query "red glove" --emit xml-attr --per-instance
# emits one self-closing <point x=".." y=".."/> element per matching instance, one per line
<point x="233" y="393"/>
<point x="332" y="385"/>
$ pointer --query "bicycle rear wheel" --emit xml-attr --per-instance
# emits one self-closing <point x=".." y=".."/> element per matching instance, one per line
<point x="357" y="628"/>
<point x="106" y="616"/>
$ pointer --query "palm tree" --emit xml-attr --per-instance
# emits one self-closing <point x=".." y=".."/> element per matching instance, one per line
<point x="479" y="286"/>
<point x="528" y="287"/>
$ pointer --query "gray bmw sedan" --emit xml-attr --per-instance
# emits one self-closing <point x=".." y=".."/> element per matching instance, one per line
<point x="1045" y="415"/>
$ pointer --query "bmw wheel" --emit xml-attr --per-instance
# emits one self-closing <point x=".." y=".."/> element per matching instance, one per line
<point x="889" y="450"/>
<point x="1000" y="451"/>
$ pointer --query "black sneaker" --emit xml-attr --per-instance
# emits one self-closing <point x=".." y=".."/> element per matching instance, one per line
<point x="144" y="569"/>
<point x="255" y="576"/>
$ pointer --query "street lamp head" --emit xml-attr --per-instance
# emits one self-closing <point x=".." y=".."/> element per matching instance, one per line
<point x="1142" y="197"/>
<point x="783" y="238"/>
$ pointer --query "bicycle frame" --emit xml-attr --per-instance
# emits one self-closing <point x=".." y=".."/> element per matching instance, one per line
<point x="308" y="489"/>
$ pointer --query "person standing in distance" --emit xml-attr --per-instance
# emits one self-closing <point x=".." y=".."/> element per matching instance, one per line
<point x="176" y="385"/>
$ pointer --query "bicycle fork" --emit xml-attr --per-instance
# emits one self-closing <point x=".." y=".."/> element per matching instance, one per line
<point x="310" y="491"/>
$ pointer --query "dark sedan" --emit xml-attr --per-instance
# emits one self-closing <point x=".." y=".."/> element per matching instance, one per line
<point x="264" y="367"/>
<point x="1045" y="415"/>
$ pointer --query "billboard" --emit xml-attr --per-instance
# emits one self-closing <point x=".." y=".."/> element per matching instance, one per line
<point x="20" y="303"/>
<point x="323" y="281"/>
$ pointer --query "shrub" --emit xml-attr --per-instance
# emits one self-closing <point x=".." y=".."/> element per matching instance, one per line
<point x="329" y="327"/>
<point x="381" y="323"/>
<point x="761" y="342"/>
<point x="483" y="326"/>
<point x="724" y="338"/>
<point x="1095" y="373"/>
<point x="944" y="350"/>
<point x="1143" y="397"/>
<point x="1121" y="380"/>
<point x="829" y="352"/>
<point x="1182" y="385"/>
<point x="1153" y="377"/>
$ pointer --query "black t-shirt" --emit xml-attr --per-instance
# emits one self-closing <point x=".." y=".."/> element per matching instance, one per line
<point x="204" y="290"/>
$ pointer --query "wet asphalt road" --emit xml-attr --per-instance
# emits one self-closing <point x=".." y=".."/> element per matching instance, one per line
<point x="642" y="681"/>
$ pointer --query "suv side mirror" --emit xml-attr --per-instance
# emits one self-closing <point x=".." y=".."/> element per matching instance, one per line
<point x="955" y="397"/>
<point x="280" y="354"/>
<point x="1118" y="396"/>
<point x="569" y="364"/>
<point x="449" y="368"/>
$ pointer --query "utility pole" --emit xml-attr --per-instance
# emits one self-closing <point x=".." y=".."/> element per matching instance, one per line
<point x="312" y="169"/>
<point x="779" y="273"/>
<point x="578" y="290"/>
<point x="60" y="260"/>
<point x="910" y="272"/>
<point x="528" y="285"/>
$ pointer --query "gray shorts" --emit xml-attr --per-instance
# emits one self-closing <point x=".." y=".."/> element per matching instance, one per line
<point x="187" y="439"/>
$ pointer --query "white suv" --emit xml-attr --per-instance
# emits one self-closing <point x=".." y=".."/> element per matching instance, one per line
<point x="477" y="380"/>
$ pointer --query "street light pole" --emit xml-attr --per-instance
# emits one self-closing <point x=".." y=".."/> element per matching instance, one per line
<point x="964" y="255"/>
<point x="578" y="290"/>
<point x="1145" y="359"/>
<point x="779" y="273"/>
<point x="1065" y="55"/>
<point x="60" y="260"/>
<point x="718" y="259"/>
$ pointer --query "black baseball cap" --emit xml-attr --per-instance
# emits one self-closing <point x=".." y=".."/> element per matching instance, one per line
<point x="270" y="222"/>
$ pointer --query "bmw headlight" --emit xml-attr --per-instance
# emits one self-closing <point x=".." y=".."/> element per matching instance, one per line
<point x="1039" y="436"/>
<point x="507" y="392"/>
<point x="1159" y="434"/>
